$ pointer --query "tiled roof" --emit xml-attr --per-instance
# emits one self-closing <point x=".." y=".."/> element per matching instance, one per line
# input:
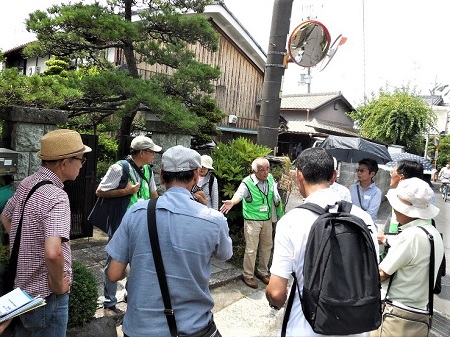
<point x="307" y="101"/>
<point x="316" y="127"/>
<point x="335" y="128"/>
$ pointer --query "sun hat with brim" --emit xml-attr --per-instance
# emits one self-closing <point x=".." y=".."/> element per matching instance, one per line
<point x="180" y="159"/>
<point x="144" y="143"/>
<point x="61" y="144"/>
<point x="207" y="162"/>
<point x="412" y="197"/>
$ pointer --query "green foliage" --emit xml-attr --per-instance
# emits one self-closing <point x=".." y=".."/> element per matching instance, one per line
<point x="57" y="66"/>
<point x="83" y="295"/>
<point x="35" y="91"/>
<point x="107" y="150"/>
<point x="161" y="36"/>
<point x="395" y="118"/>
<point x="232" y="163"/>
<point x="444" y="151"/>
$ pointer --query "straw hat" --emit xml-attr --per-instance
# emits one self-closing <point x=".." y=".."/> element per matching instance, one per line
<point x="60" y="144"/>
<point x="412" y="197"/>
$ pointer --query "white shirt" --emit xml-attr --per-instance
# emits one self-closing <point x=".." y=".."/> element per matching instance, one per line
<point x="290" y="243"/>
<point x="344" y="192"/>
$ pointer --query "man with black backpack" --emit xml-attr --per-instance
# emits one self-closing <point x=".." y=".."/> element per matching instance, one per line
<point x="127" y="181"/>
<point x="346" y="270"/>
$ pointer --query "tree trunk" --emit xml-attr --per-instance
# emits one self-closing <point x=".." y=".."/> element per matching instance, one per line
<point x="126" y="123"/>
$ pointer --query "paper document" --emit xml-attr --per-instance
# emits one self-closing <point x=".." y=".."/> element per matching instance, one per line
<point x="17" y="302"/>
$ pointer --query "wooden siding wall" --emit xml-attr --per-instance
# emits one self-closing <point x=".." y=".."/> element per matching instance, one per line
<point x="240" y="84"/>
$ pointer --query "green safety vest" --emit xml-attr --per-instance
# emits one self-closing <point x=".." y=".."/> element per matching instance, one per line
<point x="144" y="190"/>
<point x="259" y="206"/>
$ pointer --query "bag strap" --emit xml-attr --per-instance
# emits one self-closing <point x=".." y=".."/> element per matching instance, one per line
<point x="159" y="265"/>
<point x="290" y="301"/>
<point x="313" y="208"/>
<point x="138" y="170"/>
<point x="431" y="272"/>
<point x="211" y="182"/>
<point x="15" y="251"/>
<point x="359" y="198"/>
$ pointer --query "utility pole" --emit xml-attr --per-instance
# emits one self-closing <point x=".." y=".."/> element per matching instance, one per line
<point x="273" y="76"/>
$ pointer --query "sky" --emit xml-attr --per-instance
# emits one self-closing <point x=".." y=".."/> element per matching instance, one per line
<point x="390" y="43"/>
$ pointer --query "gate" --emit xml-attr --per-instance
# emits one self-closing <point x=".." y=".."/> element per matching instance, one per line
<point x="81" y="192"/>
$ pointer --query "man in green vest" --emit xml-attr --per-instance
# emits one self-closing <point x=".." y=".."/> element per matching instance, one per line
<point x="140" y="186"/>
<point x="259" y="195"/>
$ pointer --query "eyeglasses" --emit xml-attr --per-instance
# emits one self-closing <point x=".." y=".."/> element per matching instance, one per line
<point x="263" y="169"/>
<point x="82" y="160"/>
<point x="149" y="151"/>
<point x="360" y="170"/>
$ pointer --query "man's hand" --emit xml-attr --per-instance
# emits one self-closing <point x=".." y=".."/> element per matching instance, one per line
<point x="4" y="325"/>
<point x="132" y="189"/>
<point x="61" y="288"/>
<point x="227" y="205"/>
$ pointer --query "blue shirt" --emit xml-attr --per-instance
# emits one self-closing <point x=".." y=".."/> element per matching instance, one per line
<point x="370" y="198"/>
<point x="189" y="234"/>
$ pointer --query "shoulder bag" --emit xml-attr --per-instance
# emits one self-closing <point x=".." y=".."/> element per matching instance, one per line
<point x="107" y="213"/>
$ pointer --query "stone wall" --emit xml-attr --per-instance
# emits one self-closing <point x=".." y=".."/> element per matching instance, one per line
<point x="23" y="129"/>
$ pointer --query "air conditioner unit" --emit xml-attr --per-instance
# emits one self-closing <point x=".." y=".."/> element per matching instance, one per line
<point x="232" y="119"/>
<point x="34" y="70"/>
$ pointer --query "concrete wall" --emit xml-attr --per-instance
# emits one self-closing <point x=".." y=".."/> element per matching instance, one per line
<point x="348" y="176"/>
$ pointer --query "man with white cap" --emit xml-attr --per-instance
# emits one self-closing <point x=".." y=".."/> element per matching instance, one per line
<point x="140" y="185"/>
<point x="189" y="234"/>
<point x="44" y="262"/>
<point x="409" y="254"/>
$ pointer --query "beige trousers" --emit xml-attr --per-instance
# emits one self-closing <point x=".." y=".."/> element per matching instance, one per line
<point x="258" y="238"/>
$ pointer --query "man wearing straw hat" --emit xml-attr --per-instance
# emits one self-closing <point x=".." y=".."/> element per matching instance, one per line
<point x="44" y="265"/>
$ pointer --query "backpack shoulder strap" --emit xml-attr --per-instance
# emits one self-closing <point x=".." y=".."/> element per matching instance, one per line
<point x="290" y="301"/>
<point x="313" y="208"/>
<point x="344" y="206"/>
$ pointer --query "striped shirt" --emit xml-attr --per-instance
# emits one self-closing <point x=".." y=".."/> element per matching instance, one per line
<point x="47" y="214"/>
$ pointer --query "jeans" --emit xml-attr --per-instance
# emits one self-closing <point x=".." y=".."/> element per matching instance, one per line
<point x="49" y="320"/>
<point x="110" y="288"/>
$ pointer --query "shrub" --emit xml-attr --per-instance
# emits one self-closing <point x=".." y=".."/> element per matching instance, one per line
<point x="83" y="295"/>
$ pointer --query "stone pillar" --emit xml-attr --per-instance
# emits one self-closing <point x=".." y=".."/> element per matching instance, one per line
<point x="23" y="129"/>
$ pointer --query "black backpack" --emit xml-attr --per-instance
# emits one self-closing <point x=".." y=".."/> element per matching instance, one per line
<point x="341" y="281"/>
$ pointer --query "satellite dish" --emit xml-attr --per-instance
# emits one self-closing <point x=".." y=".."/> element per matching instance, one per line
<point x="309" y="43"/>
<point x="340" y="40"/>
